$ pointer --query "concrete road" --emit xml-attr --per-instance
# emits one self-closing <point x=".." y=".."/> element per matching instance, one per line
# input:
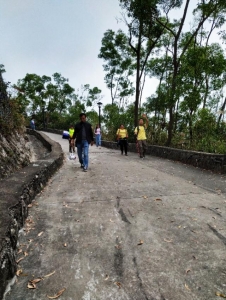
<point x="127" y="229"/>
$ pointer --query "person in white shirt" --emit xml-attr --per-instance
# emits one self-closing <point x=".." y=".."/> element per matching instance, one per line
<point x="98" y="135"/>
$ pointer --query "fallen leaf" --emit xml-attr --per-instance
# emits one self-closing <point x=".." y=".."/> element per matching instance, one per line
<point x="220" y="295"/>
<point x="19" y="272"/>
<point x="20" y="251"/>
<point x="168" y="241"/>
<point x="158" y="199"/>
<point x="187" y="271"/>
<point x="19" y="260"/>
<point x="186" y="286"/>
<point x="29" y="205"/>
<point x="36" y="280"/>
<point x="111" y="221"/>
<point x="57" y="295"/>
<point x="145" y="197"/>
<point x="140" y="242"/>
<point x="118" y="284"/>
<point x="118" y="247"/>
<point x="49" y="274"/>
<point x="106" y="277"/>
<point x="40" y="233"/>
<point x="25" y="253"/>
<point x="65" y="245"/>
<point x="31" y="285"/>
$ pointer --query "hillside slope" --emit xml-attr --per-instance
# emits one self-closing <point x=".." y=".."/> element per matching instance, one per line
<point x="15" y="152"/>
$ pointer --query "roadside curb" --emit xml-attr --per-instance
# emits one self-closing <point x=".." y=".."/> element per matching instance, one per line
<point x="17" y="192"/>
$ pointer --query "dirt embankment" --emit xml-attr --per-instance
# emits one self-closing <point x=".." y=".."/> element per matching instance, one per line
<point x="16" y="152"/>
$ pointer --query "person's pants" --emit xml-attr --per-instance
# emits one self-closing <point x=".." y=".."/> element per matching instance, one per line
<point x="98" y="140"/>
<point x="123" y="145"/>
<point x="142" y="147"/>
<point x="83" y="153"/>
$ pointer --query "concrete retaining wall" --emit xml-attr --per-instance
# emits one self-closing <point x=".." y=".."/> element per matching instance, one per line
<point x="208" y="161"/>
<point x="16" y="193"/>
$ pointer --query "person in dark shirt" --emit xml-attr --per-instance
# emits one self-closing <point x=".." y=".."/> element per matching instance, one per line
<point x="84" y="137"/>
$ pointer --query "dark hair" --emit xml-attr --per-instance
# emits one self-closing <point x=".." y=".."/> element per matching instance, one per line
<point x="82" y="114"/>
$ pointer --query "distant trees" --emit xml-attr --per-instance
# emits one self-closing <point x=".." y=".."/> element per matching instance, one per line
<point x="53" y="99"/>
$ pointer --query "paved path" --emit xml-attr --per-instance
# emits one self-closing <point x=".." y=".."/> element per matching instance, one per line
<point x="127" y="229"/>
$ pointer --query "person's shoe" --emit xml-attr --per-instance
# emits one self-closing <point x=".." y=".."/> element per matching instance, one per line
<point x="85" y="169"/>
<point x="121" y="153"/>
<point x="141" y="156"/>
<point x="126" y="154"/>
<point x="82" y="166"/>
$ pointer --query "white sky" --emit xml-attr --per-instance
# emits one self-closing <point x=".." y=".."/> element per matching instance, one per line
<point x="48" y="36"/>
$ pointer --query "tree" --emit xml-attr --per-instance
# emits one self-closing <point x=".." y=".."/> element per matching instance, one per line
<point x="118" y="66"/>
<point x="144" y="34"/>
<point x="203" y="12"/>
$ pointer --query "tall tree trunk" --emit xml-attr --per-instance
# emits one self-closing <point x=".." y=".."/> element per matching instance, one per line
<point x="221" y="114"/>
<point x="137" y="95"/>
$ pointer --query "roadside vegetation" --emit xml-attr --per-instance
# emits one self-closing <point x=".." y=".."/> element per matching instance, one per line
<point x="163" y="41"/>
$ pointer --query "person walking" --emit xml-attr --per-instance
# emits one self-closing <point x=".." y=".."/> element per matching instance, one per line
<point x="122" y="136"/>
<point x="32" y="124"/>
<point x="83" y="135"/>
<point x="141" y="135"/>
<point x="98" y="136"/>
<point x="71" y="140"/>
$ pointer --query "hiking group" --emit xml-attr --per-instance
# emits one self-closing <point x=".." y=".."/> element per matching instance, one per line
<point x="140" y="134"/>
<point x="81" y="136"/>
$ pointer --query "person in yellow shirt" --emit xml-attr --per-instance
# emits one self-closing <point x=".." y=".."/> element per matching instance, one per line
<point x="122" y="136"/>
<point x="141" y="135"/>
<point x="71" y="139"/>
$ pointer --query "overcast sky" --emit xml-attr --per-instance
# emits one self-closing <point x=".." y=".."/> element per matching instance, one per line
<point x="48" y="36"/>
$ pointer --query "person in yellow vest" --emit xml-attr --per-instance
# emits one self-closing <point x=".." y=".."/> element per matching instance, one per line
<point x="141" y="135"/>
<point x="122" y="136"/>
<point x="71" y="139"/>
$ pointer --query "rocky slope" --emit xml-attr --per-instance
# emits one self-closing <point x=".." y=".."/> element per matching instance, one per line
<point x="15" y="152"/>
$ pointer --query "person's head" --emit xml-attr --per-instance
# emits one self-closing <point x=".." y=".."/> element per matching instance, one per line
<point x="121" y="126"/>
<point x="141" y="122"/>
<point x="71" y="126"/>
<point x="82" y="117"/>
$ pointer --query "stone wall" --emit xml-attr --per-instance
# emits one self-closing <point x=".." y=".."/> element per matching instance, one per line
<point x="208" y="161"/>
<point x="17" y="192"/>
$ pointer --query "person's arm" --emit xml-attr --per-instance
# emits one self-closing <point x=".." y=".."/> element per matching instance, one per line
<point x="75" y="132"/>
<point x="118" y="134"/>
<point x="135" y="131"/>
<point x="126" y="134"/>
